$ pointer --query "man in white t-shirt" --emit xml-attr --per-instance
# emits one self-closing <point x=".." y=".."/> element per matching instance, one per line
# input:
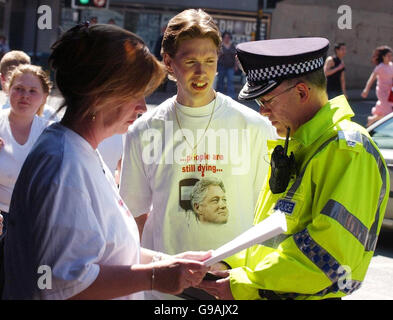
<point x="196" y="134"/>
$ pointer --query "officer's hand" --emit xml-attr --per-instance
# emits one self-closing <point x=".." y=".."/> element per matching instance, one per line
<point x="220" y="289"/>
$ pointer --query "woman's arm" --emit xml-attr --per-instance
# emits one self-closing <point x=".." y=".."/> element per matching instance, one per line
<point x="117" y="281"/>
<point x="170" y="276"/>
<point x="369" y="83"/>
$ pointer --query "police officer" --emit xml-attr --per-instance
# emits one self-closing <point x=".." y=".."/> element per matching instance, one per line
<point x="330" y="180"/>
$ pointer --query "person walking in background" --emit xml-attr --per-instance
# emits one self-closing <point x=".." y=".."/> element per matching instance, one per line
<point x="227" y="66"/>
<point x="334" y="69"/>
<point x="66" y="212"/>
<point x="383" y="73"/>
<point x="4" y="48"/>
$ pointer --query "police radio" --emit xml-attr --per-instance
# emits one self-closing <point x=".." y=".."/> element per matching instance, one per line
<point x="282" y="167"/>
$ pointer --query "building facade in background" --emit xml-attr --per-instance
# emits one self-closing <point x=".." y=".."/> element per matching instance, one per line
<point x="371" y="23"/>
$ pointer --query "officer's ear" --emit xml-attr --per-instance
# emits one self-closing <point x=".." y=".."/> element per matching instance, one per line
<point x="303" y="91"/>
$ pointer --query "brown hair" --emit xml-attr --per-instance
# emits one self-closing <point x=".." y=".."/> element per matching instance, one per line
<point x="36" y="71"/>
<point x="98" y="62"/>
<point x="189" y="24"/>
<point x="11" y="60"/>
<point x="316" y="78"/>
<point x="379" y="53"/>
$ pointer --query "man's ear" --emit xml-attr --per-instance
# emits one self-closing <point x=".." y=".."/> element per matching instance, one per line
<point x="168" y="61"/>
<point x="2" y="78"/>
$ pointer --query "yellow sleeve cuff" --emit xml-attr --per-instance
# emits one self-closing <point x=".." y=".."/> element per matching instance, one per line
<point x="237" y="260"/>
<point x="241" y="286"/>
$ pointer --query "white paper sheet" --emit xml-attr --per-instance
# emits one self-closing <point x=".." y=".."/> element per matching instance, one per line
<point x="266" y="229"/>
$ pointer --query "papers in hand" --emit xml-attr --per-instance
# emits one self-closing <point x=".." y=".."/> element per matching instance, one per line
<point x="266" y="229"/>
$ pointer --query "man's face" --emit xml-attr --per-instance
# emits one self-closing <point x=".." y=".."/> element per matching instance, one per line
<point x="194" y="67"/>
<point x="213" y="208"/>
<point x="341" y="52"/>
<point x="280" y="106"/>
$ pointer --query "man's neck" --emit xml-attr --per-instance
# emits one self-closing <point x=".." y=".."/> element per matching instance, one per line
<point x="196" y="102"/>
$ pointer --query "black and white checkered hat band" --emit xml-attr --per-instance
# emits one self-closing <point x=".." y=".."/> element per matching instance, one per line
<point x="283" y="70"/>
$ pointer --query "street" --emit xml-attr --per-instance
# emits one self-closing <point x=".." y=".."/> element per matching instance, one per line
<point x="378" y="283"/>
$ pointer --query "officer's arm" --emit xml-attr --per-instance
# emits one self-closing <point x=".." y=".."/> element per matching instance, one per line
<point x="330" y="255"/>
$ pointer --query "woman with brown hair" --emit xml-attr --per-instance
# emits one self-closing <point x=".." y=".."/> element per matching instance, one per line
<point x="66" y="214"/>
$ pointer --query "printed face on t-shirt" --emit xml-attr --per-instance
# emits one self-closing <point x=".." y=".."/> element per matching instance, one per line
<point x="213" y="208"/>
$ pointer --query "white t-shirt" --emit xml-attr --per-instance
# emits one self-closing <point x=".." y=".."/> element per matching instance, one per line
<point x="12" y="155"/>
<point x="65" y="213"/>
<point x="159" y="171"/>
<point x="111" y="150"/>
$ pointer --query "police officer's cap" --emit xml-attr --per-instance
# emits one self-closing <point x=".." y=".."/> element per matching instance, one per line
<point x="268" y="62"/>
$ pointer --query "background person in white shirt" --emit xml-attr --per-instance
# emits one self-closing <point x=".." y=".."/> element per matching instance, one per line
<point x="20" y="127"/>
<point x="8" y="63"/>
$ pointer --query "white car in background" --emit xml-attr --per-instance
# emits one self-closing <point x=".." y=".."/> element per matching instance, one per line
<point x="382" y="133"/>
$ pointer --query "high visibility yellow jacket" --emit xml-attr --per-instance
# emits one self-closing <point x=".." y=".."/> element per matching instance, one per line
<point x="334" y="207"/>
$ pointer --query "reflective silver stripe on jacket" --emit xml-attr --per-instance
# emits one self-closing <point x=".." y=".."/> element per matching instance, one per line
<point x="338" y="212"/>
<point x="355" y="136"/>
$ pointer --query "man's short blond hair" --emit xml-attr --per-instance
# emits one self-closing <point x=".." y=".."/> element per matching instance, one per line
<point x="11" y="60"/>
<point x="189" y="24"/>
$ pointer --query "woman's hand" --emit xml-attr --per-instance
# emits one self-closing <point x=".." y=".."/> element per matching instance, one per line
<point x="1" y="143"/>
<point x="364" y="94"/>
<point x="194" y="255"/>
<point x="174" y="275"/>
